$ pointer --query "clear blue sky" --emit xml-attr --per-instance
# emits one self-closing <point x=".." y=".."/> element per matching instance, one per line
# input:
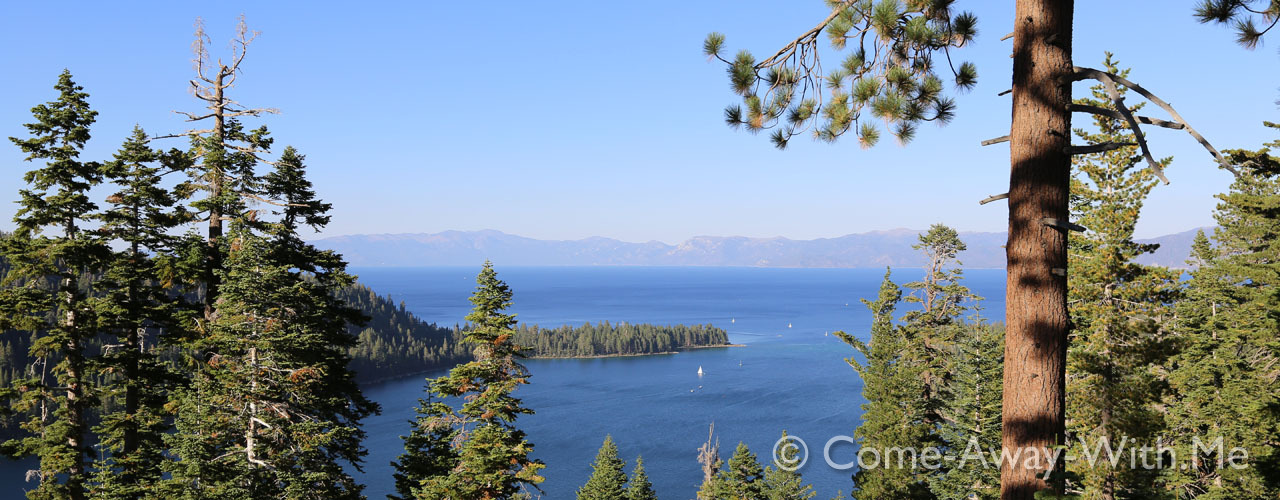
<point x="573" y="119"/>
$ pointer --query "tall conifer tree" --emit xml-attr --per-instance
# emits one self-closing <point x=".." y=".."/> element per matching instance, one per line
<point x="1224" y="380"/>
<point x="783" y="484"/>
<point x="141" y="299"/>
<point x="273" y="411"/>
<point x="489" y="455"/>
<point x="608" y="481"/>
<point x="51" y="246"/>
<point x="640" y="488"/>
<point x="895" y="414"/>
<point x="1119" y="310"/>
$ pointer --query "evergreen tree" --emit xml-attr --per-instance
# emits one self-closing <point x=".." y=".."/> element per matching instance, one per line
<point x="889" y="75"/>
<point x="428" y="448"/>
<point x="971" y="416"/>
<point x="1119" y="311"/>
<point x="273" y="411"/>
<point x="491" y="456"/>
<point x="941" y="295"/>
<point x="783" y="484"/>
<point x="607" y="481"/>
<point x="742" y="478"/>
<point x="139" y="300"/>
<point x="1223" y="380"/>
<point x="50" y="246"/>
<point x="639" y="487"/>
<point x="895" y="414"/>
<point x="227" y="152"/>
<point x="933" y="328"/>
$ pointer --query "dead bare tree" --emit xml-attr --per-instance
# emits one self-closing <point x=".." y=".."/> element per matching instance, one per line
<point x="224" y="153"/>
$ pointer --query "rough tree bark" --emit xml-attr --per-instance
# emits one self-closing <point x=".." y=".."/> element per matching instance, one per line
<point x="1036" y="287"/>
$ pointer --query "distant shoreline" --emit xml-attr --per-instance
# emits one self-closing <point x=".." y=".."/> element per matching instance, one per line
<point x="638" y="354"/>
<point x="596" y="356"/>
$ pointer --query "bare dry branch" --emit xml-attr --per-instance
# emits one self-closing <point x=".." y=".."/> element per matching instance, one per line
<point x="1062" y="224"/>
<point x="993" y="197"/>
<point x="1096" y="148"/>
<point x="1111" y="113"/>
<point x="1118" y="100"/>
<point x="998" y="140"/>
<point x="1090" y="73"/>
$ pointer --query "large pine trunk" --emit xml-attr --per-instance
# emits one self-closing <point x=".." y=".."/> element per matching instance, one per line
<point x="1036" y="308"/>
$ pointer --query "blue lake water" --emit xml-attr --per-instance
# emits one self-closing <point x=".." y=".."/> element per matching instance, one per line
<point x="791" y="378"/>
<point x="791" y="375"/>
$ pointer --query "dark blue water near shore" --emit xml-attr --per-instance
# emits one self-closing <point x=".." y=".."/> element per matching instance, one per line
<point x="790" y="375"/>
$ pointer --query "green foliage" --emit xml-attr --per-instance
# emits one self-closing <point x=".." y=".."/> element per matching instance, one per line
<point x="607" y="481"/>
<point x="1223" y="381"/>
<point x="897" y="411"/>
<point x="1242" y="15"/>
<point x="139" y="299"/>
<point x="640" y="488"/>
<point x="48" y="253"/>
<point x="889" y="73"/>
<point x="782" y="484"/>
<point x="971" y="414"/>
<point x="931" y="382"/>
<point x="1120" y="311"/>
<point x="489" y="456"/>
<point x="272" y="411"/>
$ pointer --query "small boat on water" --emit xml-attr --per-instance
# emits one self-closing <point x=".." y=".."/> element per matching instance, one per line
<point x="733" y="320"/>
<point x="699" y="371"/>
<point x="788" y="325"/>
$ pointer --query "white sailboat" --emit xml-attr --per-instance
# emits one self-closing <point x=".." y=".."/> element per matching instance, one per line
<point x="788" y="325"/>
<point x="733" y="320"/>
<point x="699" y="371"/>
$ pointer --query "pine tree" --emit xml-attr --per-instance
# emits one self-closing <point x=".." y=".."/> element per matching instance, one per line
<point x="273" y="410"/>
<point x="429" y="450"/>
<point x="895" y="413"/>
<point x="607" y="481"/>
<point x="639" y="487"/>
<point x="942" y="297"/>
<point x="1119" y="311"/>
<point x="227" y="152"/>
<point x="1223" y="379"/>
<point x="140" y="301"/>
<point x="491" y="458"/>
<point x="743" y="475"/>
<point x="783" y="484"/>
<point x="934" y="327"/>
<point x="890" y="75"/>
<point x="971" y="424"/>
<point x="59" y="317"/>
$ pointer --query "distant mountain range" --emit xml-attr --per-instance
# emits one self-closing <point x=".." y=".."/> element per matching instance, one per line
<point x="871" y="249"/>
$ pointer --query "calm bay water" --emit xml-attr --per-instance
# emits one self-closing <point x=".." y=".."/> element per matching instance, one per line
<point x="790" y="375"/>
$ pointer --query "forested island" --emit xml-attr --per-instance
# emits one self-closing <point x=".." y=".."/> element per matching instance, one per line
<point x="395" y="342"/>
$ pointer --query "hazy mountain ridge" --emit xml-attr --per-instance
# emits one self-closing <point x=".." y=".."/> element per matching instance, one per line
<point x="870" y="249"/>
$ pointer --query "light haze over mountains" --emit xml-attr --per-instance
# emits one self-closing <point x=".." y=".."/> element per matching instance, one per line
<point x="870" y="249"/>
